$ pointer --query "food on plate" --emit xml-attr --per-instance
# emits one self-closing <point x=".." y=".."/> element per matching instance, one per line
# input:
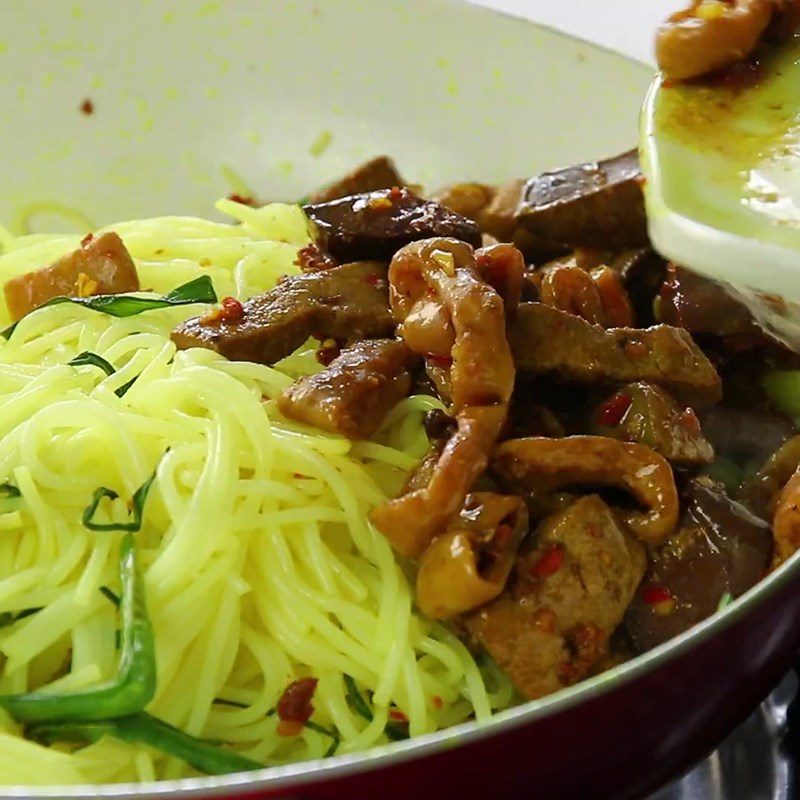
<point x="363" y="468"/>
<point x="711" y="35"/>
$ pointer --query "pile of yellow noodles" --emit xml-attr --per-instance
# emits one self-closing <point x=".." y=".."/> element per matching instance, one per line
<point x="260" y="564"/>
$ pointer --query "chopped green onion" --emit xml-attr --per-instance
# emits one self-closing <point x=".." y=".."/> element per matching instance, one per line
<point x="725" y="600"/>
<point x="89" y="359"/>
<point x="144" y="729"/>
<point x="10" y="498"/>
<point x="137" y="509"/>
<point x="199" y="290"/>
<point x="355" y="699"/>
<point x="133" y="686"/>
<point x="112" y="597"/>
<point x="9" y="617"/>
<point x="332" y="733"/>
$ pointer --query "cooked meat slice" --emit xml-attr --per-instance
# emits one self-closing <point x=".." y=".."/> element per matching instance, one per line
<point x="540" y="466"/>
<point x="545" y="340"/>
<point x="761" y="492"/>
<point x="468" y="565"/>
<point x="377" y="173"/>
<point x="465" y="315"/>
<point x="468" y="199"/>
<point x="706" y="37"/>
<point x="719" y="548"/>
<point x="499" y="217"/>
<point x="589" y="205"/>
<point x="567" y="594"/>
<point x="642" y="272"/>
<point x="353" y="394"/>
<point x="644" y="413"/>
<point x="377" y="224"/>
<point x="502" y="267"/>
<point x="348" y="303"/>
<point x="101" y="265"/>
<point x="703" y="306"/>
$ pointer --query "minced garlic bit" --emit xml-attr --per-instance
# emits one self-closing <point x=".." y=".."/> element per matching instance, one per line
<point x="85" y="286"/>
<point x="711" y="9"/>
<point x="445" y="260"/>
<point x="664" y="608"/>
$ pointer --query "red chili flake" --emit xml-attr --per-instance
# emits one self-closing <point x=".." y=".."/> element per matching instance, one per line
<point x="613" y="411"/>
<point x="231" y="310"/>
<point x="549" y="562"/>
<point x="636" y="349"/>
<point x="312" y="259"/>
<point x="689" y="422"/>
<point x="593" y="530"/>
<point x="438" y="360"/>
<point x="86" y="239"/>
<point x="396" y="192"/>
<point x="87" y="107"/>
<point x="294" y="707"/>
<point x="437" y="702"/>
<point x="328" y="351"/>
<point x="245" y="200"/>
<point x="397" y="715"/>
<point x="656" y="594"/>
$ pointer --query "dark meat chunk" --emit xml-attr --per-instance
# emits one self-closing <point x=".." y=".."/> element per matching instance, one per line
<point x="545" y="340"/>
<point x="376" y="225"/>
<point x="469" y="200"/>
<point x="599" y="204"/>
<point x="346" y="303"/>
<point x="760" y="492"/>
<point x="468" y="565"/>
<point x="690" y="301"/>
<point x="568" y="593"/>
<point x="101" y="265"/>
<point x="355" y="392"/>
<point x="644" y="413"/>
<point x="377" y="173"/>
<point x="719" y="548"/>
<point x="642" y="272"/>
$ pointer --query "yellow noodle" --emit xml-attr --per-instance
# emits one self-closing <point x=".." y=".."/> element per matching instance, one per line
<point x="259" y="562"/>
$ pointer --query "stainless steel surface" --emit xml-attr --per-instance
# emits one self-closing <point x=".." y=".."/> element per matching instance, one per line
<point x="750" y="764"/>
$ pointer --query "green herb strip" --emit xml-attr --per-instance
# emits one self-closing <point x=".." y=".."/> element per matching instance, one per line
<point x="199" y="290"/>
<point x="143" y="729"/>
<point x="10" y="498"/>
<point x="137" y="509"/>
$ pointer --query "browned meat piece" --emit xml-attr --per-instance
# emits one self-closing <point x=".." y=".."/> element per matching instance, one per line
<point x="545" y="340"/>
<point x="377" y="173"/>
<point x="706" y="37"/>
<point x="699" y="305"/>
<point x="541" y="466"/>
<point x="589" y="205"/>
<point x="377" y="224"/>
<point x="354" y="393"/>
<point x="566" y="596"/>
<point x="468" y="199"/>
<point x="642" y="272"/>
<point x="463" y="321"/>
<point x="468" y="565"/>
<point x="101" y="265"/>
<point x="598" y="296"/>
<point x="762" y="491"/>
<point x="350" y="302"/>
<point x="502" y="267"/>
<point x="719" y="548"/>
<point x="643" y="413"/>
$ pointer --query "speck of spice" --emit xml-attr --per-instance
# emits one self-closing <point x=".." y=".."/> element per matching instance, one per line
<point x="321" y="143"/>
<point x="87" y="107"/>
